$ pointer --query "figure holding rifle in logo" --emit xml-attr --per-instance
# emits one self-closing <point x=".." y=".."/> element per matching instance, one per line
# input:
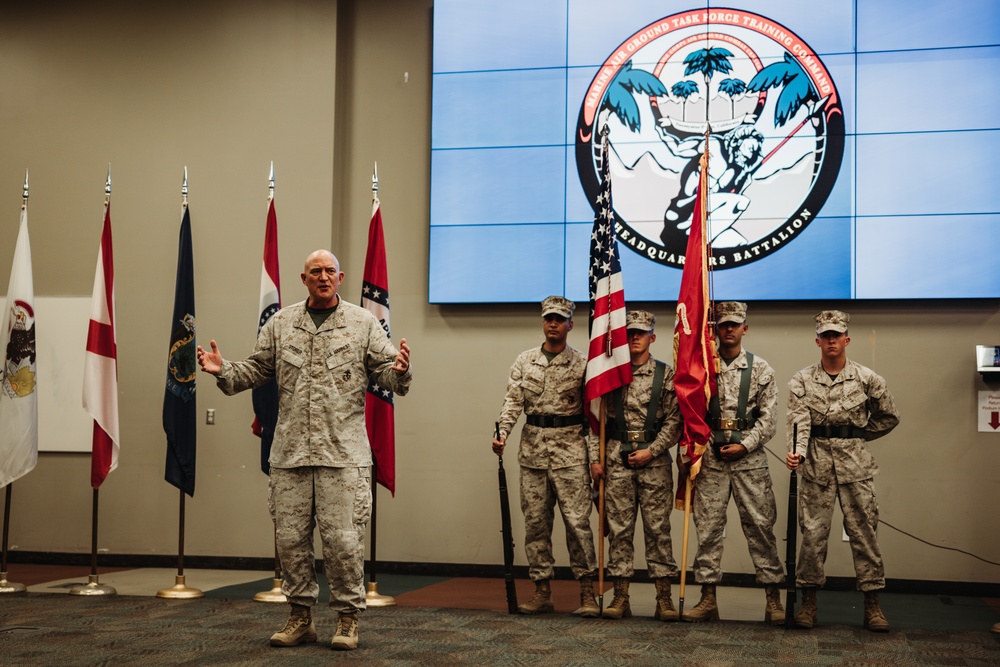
<point x="643" y="423"/>
<point x="546" y="383"/>
<point x="837" y="405"/>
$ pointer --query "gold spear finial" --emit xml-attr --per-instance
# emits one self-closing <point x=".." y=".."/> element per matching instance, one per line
<point x="184" y="187"/>
<point x="24" y="195"/>
<point x="107" y="184"/>
<point x="270" y="182"/>
<point x="375" y="181"/>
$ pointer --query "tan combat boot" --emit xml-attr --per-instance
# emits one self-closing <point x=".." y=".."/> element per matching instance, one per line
<point x="298" y="629"/>
<point x="664" y="605"/>
<point x="346" y="636"/>
<point x="540" y="602"/>
<point x="874" y="619"/>
<point x="619" y="607"/>
<point x="706" y="609"/>
<point x="588" y="603"/>
<point x="806" y="618"/>
<point x="774" y="613"/>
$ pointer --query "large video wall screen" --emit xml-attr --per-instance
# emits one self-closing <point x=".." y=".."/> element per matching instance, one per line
<point x="853" y="146"/>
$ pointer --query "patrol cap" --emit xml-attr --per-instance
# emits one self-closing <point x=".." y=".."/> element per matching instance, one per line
<point x="639" y="319"/>
<point x="831" y="320"/>
<point x="730" y="311"/>
<point x="557" y="305"/>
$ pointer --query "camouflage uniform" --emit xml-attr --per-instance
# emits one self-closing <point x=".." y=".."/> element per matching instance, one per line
<point x="649" y="488"/>
<point x="553" y="460"/>
<point x="320" y="459"/>
<point x="747" y="480"/>
<point x="839" y="467"/>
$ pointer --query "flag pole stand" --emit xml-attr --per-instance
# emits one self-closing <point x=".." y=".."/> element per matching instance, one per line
<point x="8" y="587"/>
<point x="275" y="594"/>
<point x="372" y="596"/>
<point x="93" y="587"/>
<point x="180" y="591"/>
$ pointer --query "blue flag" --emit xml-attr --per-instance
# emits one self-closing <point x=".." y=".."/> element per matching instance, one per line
<point x="179" y="410"/>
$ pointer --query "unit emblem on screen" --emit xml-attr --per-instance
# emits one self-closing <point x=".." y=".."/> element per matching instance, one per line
<point x="774" y="124"/>
<point x="18" y="375"/>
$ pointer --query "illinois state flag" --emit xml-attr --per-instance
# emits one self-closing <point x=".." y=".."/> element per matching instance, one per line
<point x="379" y="416"/>
<point x="100" y="371"/>
<point x="18" y="392"/>
<point x="265" y="397"/>
<point x="695" y="359"/>
<point x="609" y="365"/>
<point x="179" y="405"/>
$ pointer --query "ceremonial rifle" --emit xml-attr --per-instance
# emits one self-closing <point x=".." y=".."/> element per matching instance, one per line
<point x="791" y="535"/>
<point x="508" y="535"/>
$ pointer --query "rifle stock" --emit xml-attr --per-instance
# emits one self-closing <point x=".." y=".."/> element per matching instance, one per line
<point x="507" y="532"/>
<point x="791" y="538"/>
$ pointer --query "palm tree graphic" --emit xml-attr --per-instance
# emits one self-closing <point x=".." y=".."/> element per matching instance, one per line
<point x="684" y="90"/>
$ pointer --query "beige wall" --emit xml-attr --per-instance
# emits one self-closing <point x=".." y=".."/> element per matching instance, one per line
<point x="245" y="83"/>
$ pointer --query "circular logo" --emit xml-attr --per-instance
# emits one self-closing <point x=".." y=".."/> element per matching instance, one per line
<point x="747" y="88"/>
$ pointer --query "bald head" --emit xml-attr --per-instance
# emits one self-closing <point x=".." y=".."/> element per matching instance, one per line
<point x="322" y="254"/>
<point x="322" y="276"/>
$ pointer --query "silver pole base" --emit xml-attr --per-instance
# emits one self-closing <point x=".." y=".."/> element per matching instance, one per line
<point x="9" y="587"/>
<point x="93" y="588"/>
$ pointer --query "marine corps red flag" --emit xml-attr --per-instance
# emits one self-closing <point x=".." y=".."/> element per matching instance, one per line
<point x="265" y="397"/>
<point x="695" y="359"/>
<point x="100" y="372"/>
<point x="379" y="415"/>
<point x="609" y="365"/>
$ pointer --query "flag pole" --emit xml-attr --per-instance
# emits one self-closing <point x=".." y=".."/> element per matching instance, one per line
<point x="699" y="224"/>
<point x="372" y="596"/>
<point x="93" y="587"/>
<point x="180" y="591"/>
<point x="684" y="546"/>
<point x="274" y="594"/>
<point x="600" y="506"/>
<point x="9" y="587"/>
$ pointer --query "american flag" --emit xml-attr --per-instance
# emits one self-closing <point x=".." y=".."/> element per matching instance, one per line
<point x="609" y="365"/>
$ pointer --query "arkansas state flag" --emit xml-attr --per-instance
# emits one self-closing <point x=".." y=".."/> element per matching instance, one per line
<point x="179" y="405"/>
<point x="695" y="360"/>
<point x="18" y="392"/>
<point x="379" y="416"/>
<point x="100" y="371"/>
<point x="265" y="397"/>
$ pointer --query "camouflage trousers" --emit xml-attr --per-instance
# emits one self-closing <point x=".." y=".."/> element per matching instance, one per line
<point x="857" y="501"/>
<point x="626" y="492"/>
<point x="540" y="490"/>
<point x="339" y="502"/>
<point x="754" y="497"/>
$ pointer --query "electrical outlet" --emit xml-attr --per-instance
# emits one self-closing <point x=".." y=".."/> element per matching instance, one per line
<point x="210" y="416"/>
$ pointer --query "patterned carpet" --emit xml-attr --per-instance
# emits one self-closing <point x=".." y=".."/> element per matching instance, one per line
<point x="49" y="629"/>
